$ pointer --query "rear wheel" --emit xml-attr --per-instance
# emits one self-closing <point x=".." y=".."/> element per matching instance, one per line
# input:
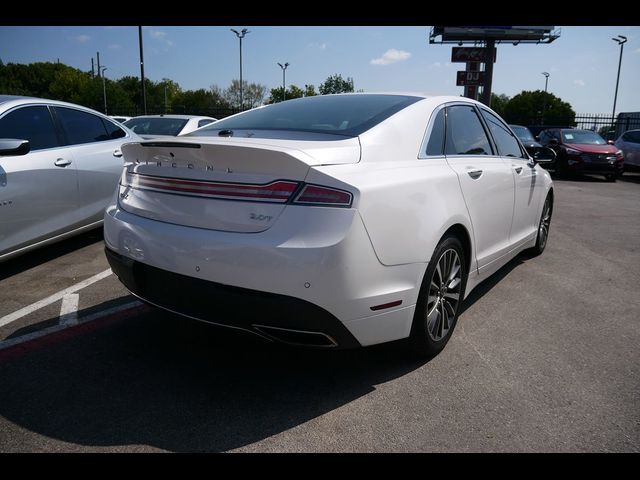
<point x="440" y="298"/>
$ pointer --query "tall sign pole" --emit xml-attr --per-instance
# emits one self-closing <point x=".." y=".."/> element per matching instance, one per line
<point x="144" y="93"/>
<point x="488" y="72"/>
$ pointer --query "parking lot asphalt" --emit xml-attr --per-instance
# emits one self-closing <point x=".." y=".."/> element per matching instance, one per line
<point x="545" y="357"/>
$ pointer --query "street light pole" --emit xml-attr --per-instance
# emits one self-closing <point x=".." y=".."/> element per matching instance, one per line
<point x="621" y="39"/>
<point x="544" y="101"/>
<point x="240" y="36"/>
<point x="104" y="90"/>
<point x="284" y="85"/>
<point x="144" y="92"/>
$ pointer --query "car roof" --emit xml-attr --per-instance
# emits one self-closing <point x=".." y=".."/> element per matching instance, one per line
<point x="8" y="101"/>
<point x="170" y="115"/>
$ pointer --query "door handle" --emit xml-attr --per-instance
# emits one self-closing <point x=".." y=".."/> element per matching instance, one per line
<point x="117" y="152"/>
<point x="475" y="174"/>
<point x="61" y="162"/>
<point x="518" y="170"/>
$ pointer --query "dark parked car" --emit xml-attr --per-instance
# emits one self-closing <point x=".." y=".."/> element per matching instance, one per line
<point x="583" y="151"/>
<point x="629" y="143"/>
<point x="525" y="136"/>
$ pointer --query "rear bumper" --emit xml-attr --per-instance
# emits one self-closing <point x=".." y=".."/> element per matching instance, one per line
<point x="315" y="269"/>
<point x="276" y="317"/>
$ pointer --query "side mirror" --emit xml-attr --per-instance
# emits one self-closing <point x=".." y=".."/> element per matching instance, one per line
<point x="10" y="147"/>
<point x="610" y="142"/>
<point x="542" y="154"/>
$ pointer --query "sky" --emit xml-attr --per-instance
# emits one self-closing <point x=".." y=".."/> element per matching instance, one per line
<point x="582" y="63"/>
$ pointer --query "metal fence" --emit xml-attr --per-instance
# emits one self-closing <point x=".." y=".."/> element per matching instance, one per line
<point x="604" y="124"/>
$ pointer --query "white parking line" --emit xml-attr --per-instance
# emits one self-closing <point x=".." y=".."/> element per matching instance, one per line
<point x="12" y="317"/>
<point x="69" y="309"/>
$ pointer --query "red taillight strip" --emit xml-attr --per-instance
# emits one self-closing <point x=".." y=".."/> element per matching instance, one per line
<point x="323" y="196"/>
<point x="277" y="192"/>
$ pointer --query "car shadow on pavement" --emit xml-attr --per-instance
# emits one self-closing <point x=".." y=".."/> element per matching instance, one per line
<point x="630" y="178"/>
<point x="482" y="289"/>
<point x="170" y="383"/>
<point x="45" y="254"/>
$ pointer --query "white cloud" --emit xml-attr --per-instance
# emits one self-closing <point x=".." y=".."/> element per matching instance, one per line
<point x="321" y="46"/>
<point x="435" y="65"/>
<point x="82" y="38"/>
<point x="114" y="46"/>
<point x="579" y="83"/>
<point x="391" y="56"/>
<point x="161" y="37"/>
<point x="157" y="34"/>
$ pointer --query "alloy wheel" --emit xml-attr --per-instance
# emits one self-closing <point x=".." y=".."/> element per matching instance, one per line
<point x="444" y="294"/>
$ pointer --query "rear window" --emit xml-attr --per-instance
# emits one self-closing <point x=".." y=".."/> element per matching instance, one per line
<point x="347" y="115"/>
<point x="156" y="126"/>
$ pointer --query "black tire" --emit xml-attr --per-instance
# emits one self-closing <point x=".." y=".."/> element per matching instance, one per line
<point x="542" y="235"/>
<point x="611" y="177"/>
<point x="422" y="341"/>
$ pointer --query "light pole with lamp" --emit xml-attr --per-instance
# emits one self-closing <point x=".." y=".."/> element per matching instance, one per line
<point x="544" y="101"/>
<point x="621" y="39"/>
<point x="104" y="90"/>
<point x="284" y="88"/>
<point x="240" y="36"/>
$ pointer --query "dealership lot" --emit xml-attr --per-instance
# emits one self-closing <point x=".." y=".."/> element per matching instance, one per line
<point x="544" y="358"/>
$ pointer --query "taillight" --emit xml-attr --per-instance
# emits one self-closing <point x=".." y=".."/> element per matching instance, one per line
<point x="274" y="192"/>
<point x="324" y="196"/>
<point x="278" y="191"/>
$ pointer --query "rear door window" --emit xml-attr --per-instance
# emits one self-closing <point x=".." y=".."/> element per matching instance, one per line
<point x="465" y="133"/>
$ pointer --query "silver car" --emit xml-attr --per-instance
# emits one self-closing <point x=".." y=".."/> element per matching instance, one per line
<point x="153" y="126"/>
<point x="629" y="143"/>
<point x="59" y="167"/>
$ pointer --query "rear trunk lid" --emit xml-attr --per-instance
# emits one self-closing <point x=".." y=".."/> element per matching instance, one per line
<point x="235" y="185"/>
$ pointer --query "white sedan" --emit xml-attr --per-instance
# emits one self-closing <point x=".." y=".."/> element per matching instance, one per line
<point x="59" y="164"/>
<point x="152" y="126"/>
<point x="329" y="221"/>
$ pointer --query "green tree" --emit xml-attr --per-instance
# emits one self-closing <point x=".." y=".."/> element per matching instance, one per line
<point x="253" y="94"/>
<point x="336" y="84"/>
<point x="292" y="92"/>
<point x="499" y="103"/>
<point x="310" y="91"/>
<point x="526" y="108"/>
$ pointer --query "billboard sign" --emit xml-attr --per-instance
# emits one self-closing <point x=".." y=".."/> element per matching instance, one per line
<point x="470" y="54"/>
<point x="469" y="78"/>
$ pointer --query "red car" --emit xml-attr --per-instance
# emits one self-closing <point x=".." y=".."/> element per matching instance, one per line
<point x="583" y="151"/>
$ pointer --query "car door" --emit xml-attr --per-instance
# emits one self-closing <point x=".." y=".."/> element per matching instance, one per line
<point x="39" y="190"/>
<point x="528" y="188"/>
<point x="95" y="144"/>
<point x="631" y="148"/>
<point x="486" y="182"/>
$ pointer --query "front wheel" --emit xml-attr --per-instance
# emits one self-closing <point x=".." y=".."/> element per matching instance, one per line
<point x="440" y="298"/>
<point x="543" y="227"/>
